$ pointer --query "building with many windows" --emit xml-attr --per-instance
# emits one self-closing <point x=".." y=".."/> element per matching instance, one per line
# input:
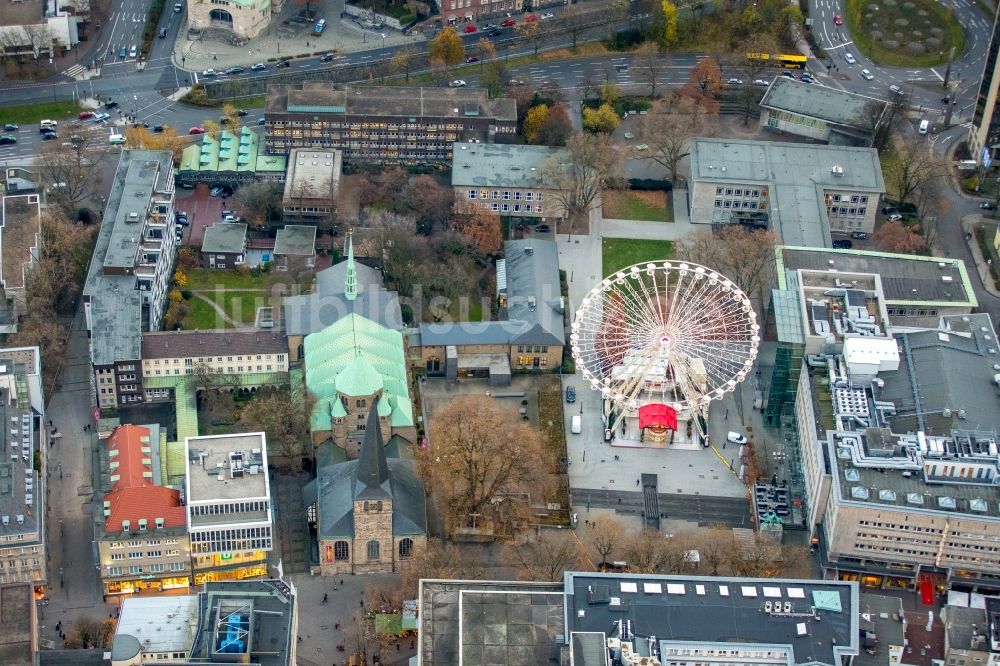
<point x="230" y="160"/>
<point x="126" y="289"/>
<point x="801" y="192"/>
<point x="890" y="423"/>
<point x="22" y="483"/>
<point x="143" y="544"/>
<point x="508" y="179"/>
<point x="984" y="134"/>
<point x="832" y="116"/>
<point x="242" y="19"/>
<point x="229" y="513"/>
<point x="604" y="618"/>
<point x="374" y="124"/>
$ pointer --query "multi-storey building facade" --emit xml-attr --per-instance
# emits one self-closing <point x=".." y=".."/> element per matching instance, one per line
<point x="22" y="482"/>
<point x="895" y="426"/>
<point x="245" y="19"/>
<point x="514" y="181"/>
<point x="401" y="125"/>
<point x="984" y="133"/>
<point x="801" y="192"/>
<point x="229" y="513"/>
<point x="126" y="288"/>
<point x="143" y="546"/>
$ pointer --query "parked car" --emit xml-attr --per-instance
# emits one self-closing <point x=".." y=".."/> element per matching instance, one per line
<point x="261" y="121"/>
<point x="47" y="124"/>
<point x="235" y="69"/>
<point x="629" y="135"/>
<point x="221" y="192"/>
<point x="842" y="245"/>
<point x="508" y="22"/>
<point x="542" y="229"/>
<point x="258" y="67"/>
<point x="196" y="130"/>
<point x="496" y="32"/>
<point x="132" y="52"/>
<point x="327" y="57"/>
<point x="849" y="58"/>
<point x="548" y="15"/>
<point x="469" y="28"/>
<point x="988" y="205"/>
<point x="896" y="90"/>
<point x="10" y="127"/>
<point x="889" y="210"/>
<point x="209" y="72"/>
<point x="763" y="83"/>
<point x="122" y="52"/>
<point x="178" y="8"/>
<point x="894" y="217"/>
<point x="7" y="138"/>
<point x="788" y="75"/>
<point x="158" y="129"/>
<point x="283" y="63"/>
<point x="101" y="117"/>
<point x="490" y="26"/>
<point x="807" y="77"/>
<point x="49" y="136"/>
<point x="570" y="394"/>
<point x="642" y="147"/>
<point x="85" y="115"/>
<point x="859" y="235"/>
<point x="866" y="75"/>
<point x="110" y="105"/>
<point x="515" y="82"/>
<point x="735" y="82"/>
<point x="457" y="83"/>
<point x="736" y="438"/>
<point x="472" y="58"/>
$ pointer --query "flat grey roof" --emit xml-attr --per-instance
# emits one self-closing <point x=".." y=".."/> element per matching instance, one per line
<point x="19" y="238"/>
<point x="22" y="499"/>
<point x="821" y="627"/>
<point x="905" y="278"/>
<point x="503" y="165"/>
<point x="273" y="616"/>
<point x="16" y="628"/>
<point x="227" y="237"/>
<point x="884" y="617"/>
<point x="807" y="99"/>
<point x="322" y="97"/>
<point x="296" y="239"/>
<point x="797" y="175"/>
<point x="520" y="620"/>
<point x="940" y="370"/>
<point x="312" y="174"/>
<point x="115" y="302"/>
<point x="203" y="480"/>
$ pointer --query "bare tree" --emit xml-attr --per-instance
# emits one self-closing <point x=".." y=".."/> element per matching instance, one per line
<point x="875" y="119"/>
<point x="484" y="462"/>
<point x="644" y="552"/>
<point x="751" y="69"/>
<point x="577" y="184"/>
<point x="911" y="167"/>
<point x="40" y="38"/>
<point x="531" y="33"/>
<point x="589" y="87"/>
<point x="651" y="66"/>
<point x="668" y="129"/>
<point x="712" y="546"/>
<point x="259" y="203"/>
<point x="745" y="256"/>
<point x="605" y="535"/>
<point x="285" y="420"/>
<point x="403" y="61"/>
<point x="77" y="170"/>
<point x="547" y="556"/>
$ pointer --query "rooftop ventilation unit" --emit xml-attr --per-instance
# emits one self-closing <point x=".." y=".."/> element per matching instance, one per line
<point x="837" y="170"/>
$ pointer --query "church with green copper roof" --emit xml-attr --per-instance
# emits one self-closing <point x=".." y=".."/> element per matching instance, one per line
<point x="350" y="365"/>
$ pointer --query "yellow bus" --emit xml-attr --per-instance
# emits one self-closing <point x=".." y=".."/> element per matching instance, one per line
<point x="785" y="60"/>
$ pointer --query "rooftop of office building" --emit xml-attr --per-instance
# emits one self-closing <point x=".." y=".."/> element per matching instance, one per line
<point x="21" y="495"/>
<point x="226" y="467"/>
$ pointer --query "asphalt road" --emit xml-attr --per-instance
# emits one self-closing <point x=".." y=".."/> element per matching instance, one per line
<point x="702" y="509"/>
<point x="923" y="85"/>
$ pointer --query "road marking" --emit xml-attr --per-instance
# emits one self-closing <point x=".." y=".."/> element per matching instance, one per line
<point x="936" y="74"/>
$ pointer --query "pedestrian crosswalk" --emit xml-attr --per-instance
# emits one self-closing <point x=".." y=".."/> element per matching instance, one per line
<point x="76" y="72"/>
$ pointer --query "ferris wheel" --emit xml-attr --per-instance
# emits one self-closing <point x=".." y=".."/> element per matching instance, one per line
<point x="669" y="332"/>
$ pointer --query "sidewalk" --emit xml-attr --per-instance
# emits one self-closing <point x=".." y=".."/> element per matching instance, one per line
<point x="293" y="40"/>
<point x="983" y="268"/>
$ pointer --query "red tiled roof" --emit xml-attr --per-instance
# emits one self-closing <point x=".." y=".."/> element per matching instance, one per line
<point x="133" y="495"/>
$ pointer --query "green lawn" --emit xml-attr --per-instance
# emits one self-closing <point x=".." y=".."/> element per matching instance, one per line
<point x="619" y="253"/>
<point x="202" y="317"/>
<point x="241" y="306"/>
<point x="882" y="31"/>
<point x="636" y="205"/>
<point x="24" y="115"/>
<point x="206" y="279"/>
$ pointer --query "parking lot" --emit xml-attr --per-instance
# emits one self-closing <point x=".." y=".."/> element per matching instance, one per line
<point x="203" y="211"/>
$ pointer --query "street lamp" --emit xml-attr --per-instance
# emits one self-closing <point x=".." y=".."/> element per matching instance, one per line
<point x="383" y="40"/>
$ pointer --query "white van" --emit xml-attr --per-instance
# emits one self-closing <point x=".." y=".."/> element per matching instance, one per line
<point x="48" y="123"/>
<point x="924" y="126"/>
<point x="576" y="424"/>
<point x="116" y="140"/>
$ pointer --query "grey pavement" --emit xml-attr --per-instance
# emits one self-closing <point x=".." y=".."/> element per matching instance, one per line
<point x="294" y="40"/>
<point x="70" y="507"/>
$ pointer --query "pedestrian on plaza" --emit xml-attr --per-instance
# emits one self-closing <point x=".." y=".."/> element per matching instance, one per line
<point x="637" y="481"/>
<point x="325" y="599"/>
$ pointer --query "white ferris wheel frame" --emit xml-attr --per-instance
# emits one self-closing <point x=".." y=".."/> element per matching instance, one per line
<point x="676" y="331"/>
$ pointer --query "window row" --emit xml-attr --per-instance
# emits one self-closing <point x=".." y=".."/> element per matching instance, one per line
<point x="241" y="533"/>
<point x="746" y="205"/>
<point x="738" y="192"/>
<point x="849" y="210"/>
<point x="231" y="507"/>
<point x="340" y="550"/>
<point x="517" y="208"/>
<point x="506" y="195"/>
